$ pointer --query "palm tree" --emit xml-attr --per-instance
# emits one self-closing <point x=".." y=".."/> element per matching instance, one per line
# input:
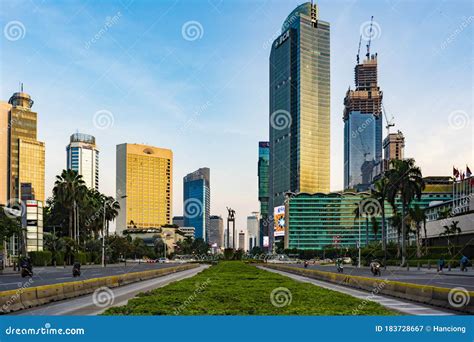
<point x="451" y="230"/>
<point x="417" y="216"/>
<point x="380" y="193"/>
<point x="69" y="190"/>
<point x="375" y="227"/>
<point x="396" y="222"/>
<point x="406" y="181"/>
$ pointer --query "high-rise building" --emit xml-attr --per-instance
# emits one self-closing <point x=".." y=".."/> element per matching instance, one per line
<point x="83" y="157"/>
<point x="178" y="220"/>
<point x="393" y="148"/>
<point x="26" y="155"/>
<point x="144" y="185"/>
<point x="300" y="106"/>
<point x="197" y="201"/>
<point x="263" y="165"/>
<point x="216" y="231"/>
<point x="4" y="147"/>
<point x="253" y="231"/>
<point x="363" y="127"/>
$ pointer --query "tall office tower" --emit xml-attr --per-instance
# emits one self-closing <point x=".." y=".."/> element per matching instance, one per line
<point x="144" y="185"/>
<point x="363" y="127"/>
<point x="263" y="165"/>
<point x="197" y="201"/>
<point x="83" y="157"/>
<point x="4" y="124"/>
<point x="216" y="231"/>
<point x="299" y="106"/>
<point x="393" y="148"/>
<point x="26" y="155"/>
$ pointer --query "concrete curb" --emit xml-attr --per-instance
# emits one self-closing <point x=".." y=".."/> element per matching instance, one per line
<point x="28" y="297"/>
<point x="426" y="294"/>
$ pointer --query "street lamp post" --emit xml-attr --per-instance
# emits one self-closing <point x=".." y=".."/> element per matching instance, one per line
<point x="103" y="233"/>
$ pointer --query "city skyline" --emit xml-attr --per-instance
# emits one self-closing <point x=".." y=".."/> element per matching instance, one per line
<point x="401" y="69"/>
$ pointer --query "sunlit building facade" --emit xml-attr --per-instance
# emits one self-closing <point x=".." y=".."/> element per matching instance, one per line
<point x="26" y="155"/>
<point x="300" y="106"/>
<point x="144" y="179"/>
<point x="83" y="157"/>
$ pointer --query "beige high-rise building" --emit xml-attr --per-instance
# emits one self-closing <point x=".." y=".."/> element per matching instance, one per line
<point x="23" y="176"/>
<point x="144" y="180"/>
<point x="4" y="184"/>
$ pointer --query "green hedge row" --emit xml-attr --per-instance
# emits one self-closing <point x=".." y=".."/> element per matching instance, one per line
<point x="46" y="258"/>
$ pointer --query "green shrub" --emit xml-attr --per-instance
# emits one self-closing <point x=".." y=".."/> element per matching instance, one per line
<point x="80" y="257"/>
<point x="40" y="258"/>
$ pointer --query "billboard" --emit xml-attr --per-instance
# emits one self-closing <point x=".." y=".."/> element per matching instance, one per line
<point x="279" y="219"/>
<point x="266" y="241"/>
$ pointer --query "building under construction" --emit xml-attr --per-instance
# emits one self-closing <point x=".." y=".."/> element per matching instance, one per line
<point x="363" y="126"/>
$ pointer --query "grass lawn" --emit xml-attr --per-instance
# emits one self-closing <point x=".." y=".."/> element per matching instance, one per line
<point x="235" y="288"/>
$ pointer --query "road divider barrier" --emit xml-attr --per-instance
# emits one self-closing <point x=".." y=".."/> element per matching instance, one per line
<point x="427" y="294"/>
<point x="28" y="297"/>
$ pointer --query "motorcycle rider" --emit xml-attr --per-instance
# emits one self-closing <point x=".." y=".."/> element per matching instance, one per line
<point x="26" y="267"/>
<point x="375" y="267"/>
<point x="76" y="269"/>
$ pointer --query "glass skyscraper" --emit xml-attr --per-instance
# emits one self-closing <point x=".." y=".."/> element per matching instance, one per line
<point x="263" y="164"/>
<point x="363" y="128"/>
<point x="300" y="106"/>
<point x="197" y="202"/>
<point x="83" y="157"/>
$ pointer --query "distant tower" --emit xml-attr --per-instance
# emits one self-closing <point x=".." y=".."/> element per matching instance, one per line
<point x="197" y="201"/>
<point x="393" y="148"/>
<point x="83" y="157"/>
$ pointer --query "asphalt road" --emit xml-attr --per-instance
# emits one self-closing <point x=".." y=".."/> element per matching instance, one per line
<point x="423" y="277"/>
<point x="96" y="304"/>
<point x="53" y="275"/>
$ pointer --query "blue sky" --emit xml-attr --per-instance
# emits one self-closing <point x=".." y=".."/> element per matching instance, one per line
<point x="207" y="99"/>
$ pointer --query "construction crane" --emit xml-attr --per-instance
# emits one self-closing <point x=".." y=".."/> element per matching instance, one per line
<point x="370" y="38"/>
<point x="390" y="123"/>
<point x="358" y="50"/>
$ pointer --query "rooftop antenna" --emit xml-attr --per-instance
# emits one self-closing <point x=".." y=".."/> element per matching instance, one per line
<point x="358" y="50"/>
<point x="370" y="38"/>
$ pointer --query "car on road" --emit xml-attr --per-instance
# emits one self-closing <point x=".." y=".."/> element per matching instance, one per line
<point x="163" y="260"/>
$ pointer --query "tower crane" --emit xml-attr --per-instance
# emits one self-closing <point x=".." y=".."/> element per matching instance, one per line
<point x="390" y="123"/>
<point x="358" y="50"/>
<point x="370" y="38"/>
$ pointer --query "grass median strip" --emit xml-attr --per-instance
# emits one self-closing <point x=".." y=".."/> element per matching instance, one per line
<point x="236" y="288"/>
